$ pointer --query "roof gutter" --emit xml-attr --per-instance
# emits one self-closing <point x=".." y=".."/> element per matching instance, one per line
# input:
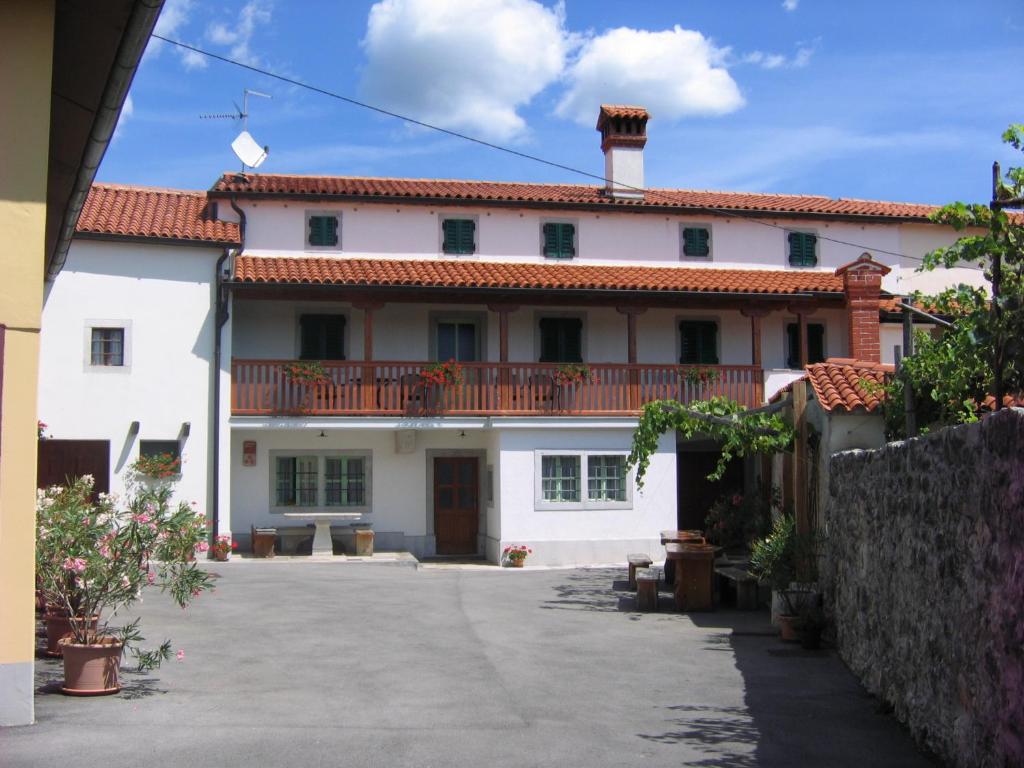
<point x="133" y="45"/>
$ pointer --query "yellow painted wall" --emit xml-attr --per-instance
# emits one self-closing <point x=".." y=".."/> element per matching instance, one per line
<point x="26" y="54"/>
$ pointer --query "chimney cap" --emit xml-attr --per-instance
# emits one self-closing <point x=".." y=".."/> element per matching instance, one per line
<point x="864" y="263"/>
<point x="613" y="111"/>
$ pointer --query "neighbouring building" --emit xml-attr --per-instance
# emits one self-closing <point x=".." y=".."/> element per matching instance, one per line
<point x="178" y="322"/>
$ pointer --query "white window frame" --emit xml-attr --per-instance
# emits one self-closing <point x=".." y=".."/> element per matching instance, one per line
<point x="321" y="487"/>
<point x="305" y="231"/>
<point x="585" y="503"/>
<point x="684" y="225"/>
<point x="126" y="357"/>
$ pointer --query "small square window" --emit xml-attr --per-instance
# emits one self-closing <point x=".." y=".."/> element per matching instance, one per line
<point x="107" y="346"/>
<point x="696" y="242"/>
<point x="559" y="240"/>
<point x="803" y="249"/>
<point x="560" y="478"/>
<point x="152" y="448"/>
<point x="459" y="236"/>
<point x="606" y="478"/>
<point x="322" y="231"/>
<point x="698" y="342"/>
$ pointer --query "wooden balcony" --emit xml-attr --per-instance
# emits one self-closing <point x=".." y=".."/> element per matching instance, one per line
<point x="261" y="388"/>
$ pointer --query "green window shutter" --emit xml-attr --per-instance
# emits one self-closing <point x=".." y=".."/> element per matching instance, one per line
<point x="815" y="343"/>
<point x="548" y="340"/>
<point x="323" y="230"/>
<point x="698" y="342"/>
<point x="459" y="236"/>
<point x="802" y="249"/>
<point x="559" y="240"/>
<point x="561" y="340"/>
<point x="322" y="337"/>
<point x="572" y="346"/>
<point x="793" y="344"/>
<point x="696" y="241"/>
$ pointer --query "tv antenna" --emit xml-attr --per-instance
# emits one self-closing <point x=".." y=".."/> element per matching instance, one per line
<point x="245" y="147"/>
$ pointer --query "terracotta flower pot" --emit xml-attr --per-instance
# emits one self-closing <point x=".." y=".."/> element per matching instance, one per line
<point x="221" y="556"/>
<point x="91" y="670"/>
<point x="57" y="626"/>
<point x="787" y="631"/>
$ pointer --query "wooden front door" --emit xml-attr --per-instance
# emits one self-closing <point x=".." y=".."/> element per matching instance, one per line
<point x="60" y="460"/>
<point x="695" y="492"/>
<point x="456" y="504"/>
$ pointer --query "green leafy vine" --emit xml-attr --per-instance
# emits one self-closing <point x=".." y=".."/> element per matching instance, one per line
<point x="738" y="432"/>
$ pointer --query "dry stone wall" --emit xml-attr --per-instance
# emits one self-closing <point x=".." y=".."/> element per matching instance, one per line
<point x="924" y="578"/>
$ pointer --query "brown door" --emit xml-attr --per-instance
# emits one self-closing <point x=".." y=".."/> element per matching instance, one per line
<point x="456" y="504"/>
<point x="60" y="460"/>
<point x="695" y="492"/>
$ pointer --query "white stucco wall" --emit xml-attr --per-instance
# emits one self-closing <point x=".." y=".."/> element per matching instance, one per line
<point x="919" y="239"/>
<point x="164" y="295"/>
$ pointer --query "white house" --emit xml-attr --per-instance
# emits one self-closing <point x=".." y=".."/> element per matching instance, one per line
<point x="178" y="315"/>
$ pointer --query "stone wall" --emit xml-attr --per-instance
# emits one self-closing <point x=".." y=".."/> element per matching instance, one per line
<point x="924" y="578"/>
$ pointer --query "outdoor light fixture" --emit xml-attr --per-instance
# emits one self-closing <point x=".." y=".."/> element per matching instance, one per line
<point x="462" y="433"/>
<point x="322" y="433"/>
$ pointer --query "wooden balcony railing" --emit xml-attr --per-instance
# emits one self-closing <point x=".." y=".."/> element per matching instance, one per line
<point x="260" y="387"/>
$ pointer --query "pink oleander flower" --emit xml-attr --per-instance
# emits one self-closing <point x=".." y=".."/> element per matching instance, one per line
<point x="142" y="517"/>
<point x="150" y="577"/>
<point x="202" y="546"/>
<point x="75" y="564"/>
<point x="180" y="655"/>
<point x="125" y="581"/>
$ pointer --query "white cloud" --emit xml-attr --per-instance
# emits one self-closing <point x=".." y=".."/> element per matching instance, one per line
<point x="800" y="59"/>
<point x="463" y="64"/>
<point x="127" y="110"/>
<point x="790" y="5"/>
<point x="173" y="18"/>
<point x="674" y="73"/>
<point x="239" y="35"/>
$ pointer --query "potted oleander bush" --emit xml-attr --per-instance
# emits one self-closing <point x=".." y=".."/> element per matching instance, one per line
<point x="736" y="520"/>
<point x="96" y="558"/>
<point x="787" y="561"/>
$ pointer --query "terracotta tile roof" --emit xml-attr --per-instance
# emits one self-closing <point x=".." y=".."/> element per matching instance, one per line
<point x="838" y="383"/>
<point x="453" y="192"/>
<point x="537" y="276"/>
<point x="174" y="214"/>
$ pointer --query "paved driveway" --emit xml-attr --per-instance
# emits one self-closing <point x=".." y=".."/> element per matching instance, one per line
<point x="304" y="664"/>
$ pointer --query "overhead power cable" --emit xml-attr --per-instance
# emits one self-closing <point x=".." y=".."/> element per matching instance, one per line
<point x="745" y="215"/>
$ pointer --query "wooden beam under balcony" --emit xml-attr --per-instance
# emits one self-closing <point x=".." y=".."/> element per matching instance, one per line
<point x="381" y="388"/>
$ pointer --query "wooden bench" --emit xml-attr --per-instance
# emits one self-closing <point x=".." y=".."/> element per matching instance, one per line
<point x="647" y="589"/>
<point x="636" y="561"/>
<point x="745" y="584"/>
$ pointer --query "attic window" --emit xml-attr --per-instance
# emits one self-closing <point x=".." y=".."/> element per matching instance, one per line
<point x="322" y="231"/>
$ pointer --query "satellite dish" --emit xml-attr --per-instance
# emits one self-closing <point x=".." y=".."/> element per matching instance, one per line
<point x="248" y="151"/>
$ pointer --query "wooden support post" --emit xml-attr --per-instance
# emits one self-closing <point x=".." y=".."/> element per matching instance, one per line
<point x="802" y="359"/>
<point x="369" y="382"/>
<point x="909" y="411"/>
<point x="633" y="394"/>
<point x="803" y="524"/>
<point x="504" y="372"/>
<point x="756" y="313"/>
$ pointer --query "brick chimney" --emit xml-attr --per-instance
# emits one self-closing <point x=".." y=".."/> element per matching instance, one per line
<point x="623" y="136"/>
<point x="862" y="284"/>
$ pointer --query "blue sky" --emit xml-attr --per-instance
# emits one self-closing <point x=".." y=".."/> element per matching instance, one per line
<point x="879" y="100"/>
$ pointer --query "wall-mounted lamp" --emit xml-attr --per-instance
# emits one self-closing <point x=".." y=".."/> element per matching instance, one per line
<point x="322" y="433"/>
<point x="462" y="433"/>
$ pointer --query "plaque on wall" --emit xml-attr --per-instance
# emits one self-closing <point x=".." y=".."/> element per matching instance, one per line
<point x="248" y="453"/>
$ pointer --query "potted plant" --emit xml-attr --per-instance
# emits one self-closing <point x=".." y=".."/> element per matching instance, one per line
<point x="222" y="548"/>
<point x="573" y="373"/>
<point x="780" y="559"/>
<point x="94" y="559"/>
<point x="736" y="520"/>
<point x="441" y="374"/>
<point x="515" y="555"/>
<point x="159" y="467"/>
<point x="309" y="376"/>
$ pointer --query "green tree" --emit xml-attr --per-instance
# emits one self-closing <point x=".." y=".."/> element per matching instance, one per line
<point x="983" y="352"/>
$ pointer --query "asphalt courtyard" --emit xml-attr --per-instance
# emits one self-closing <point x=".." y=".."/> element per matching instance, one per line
<point x="325" y="664"/>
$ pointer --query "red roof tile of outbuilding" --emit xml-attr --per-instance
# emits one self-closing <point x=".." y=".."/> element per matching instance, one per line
<point x="172" y="214"/>
<point x="454" y="192"/>
<point x="846" y="384"/>
<point x="536" y="276"/>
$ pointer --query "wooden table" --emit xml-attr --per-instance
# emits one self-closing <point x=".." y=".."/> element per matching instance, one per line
<point x="694" y="566"/>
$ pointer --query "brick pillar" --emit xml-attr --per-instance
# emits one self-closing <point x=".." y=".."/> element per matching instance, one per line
<point x="862" y="284"/>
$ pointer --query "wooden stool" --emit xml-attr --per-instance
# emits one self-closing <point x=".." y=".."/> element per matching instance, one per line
<point x="646" y="590"/>
<point x="636" y="561"/>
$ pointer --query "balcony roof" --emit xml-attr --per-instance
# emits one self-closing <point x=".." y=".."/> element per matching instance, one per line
<point x="507" y="276"/>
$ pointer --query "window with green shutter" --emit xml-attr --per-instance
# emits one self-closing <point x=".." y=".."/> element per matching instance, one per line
<point x="459" y="235"/>
<point x="698" y="342"/>
<point x="561" y="340"/>
<point x="323" y="231"/>
<point x="803" y="249"/>
<point x="696" y="241"/>
<point x="559" y="240"/>
<point x="322" y="337"/>
<point x="815" y="344"/>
